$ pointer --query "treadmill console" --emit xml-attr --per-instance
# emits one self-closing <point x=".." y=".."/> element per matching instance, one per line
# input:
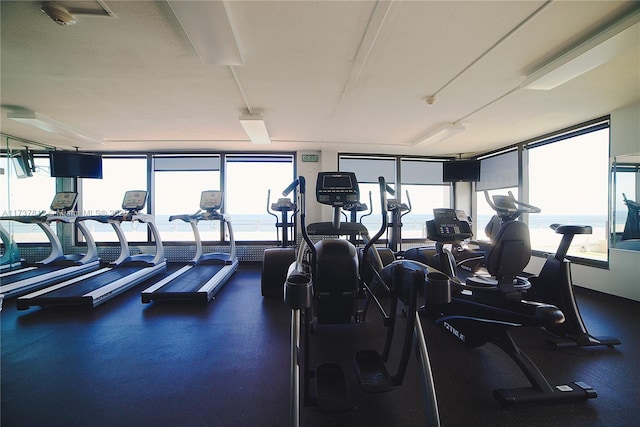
<point x="337" y="189"/>
<point x="134" y="200"/>
<point x="211" y="200"/>
<point x="448" y="226"/>
<point x="64" y="201"/>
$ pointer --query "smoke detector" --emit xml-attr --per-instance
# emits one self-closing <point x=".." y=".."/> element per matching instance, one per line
<point x="59" y="14"/>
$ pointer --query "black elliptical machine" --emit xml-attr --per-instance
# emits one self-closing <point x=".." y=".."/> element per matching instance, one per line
<point x="324" y="287"/>
<point x="276" y="261"/>
<point x="483" y="309"/>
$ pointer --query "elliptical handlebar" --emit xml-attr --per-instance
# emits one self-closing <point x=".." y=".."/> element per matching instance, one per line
<point x="291" y="187"/>
<point x="370" y="207"/>
<point x="408" y="204"/>
<point x="301" y="183"/>
<point x="384" y="189"/>
<point x="268" y="204"/>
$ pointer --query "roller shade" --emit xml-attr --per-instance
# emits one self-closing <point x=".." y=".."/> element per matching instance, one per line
<point x="369" y="169"/>
<point x="421" y="172"/>
<point x="196" y="163"/>
<point x="500" y="171"/>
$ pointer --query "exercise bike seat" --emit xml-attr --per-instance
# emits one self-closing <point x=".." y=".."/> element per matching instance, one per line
<point x="507" y="258"/>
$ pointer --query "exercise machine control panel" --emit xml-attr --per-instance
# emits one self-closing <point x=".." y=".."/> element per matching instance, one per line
<point x="337" y="189"/>
<point x="211" y="200"/>
<point x="64" y="201"/>
<point x="134" y="200"/>
<point x="448" y="226"/>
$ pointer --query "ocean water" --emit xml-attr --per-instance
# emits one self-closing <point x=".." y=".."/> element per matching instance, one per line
<point x="262" y="227"/>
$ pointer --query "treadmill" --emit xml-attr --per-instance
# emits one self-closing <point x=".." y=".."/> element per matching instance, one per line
<point x="205" y="274"/>
<point x="128" y="270"/>
<point x="57" y="266"/>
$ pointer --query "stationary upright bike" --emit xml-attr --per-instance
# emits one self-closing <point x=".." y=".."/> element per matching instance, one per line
<point x="484" y="308"/>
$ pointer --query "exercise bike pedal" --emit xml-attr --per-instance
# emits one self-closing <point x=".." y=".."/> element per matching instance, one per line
<point x="332" y="389"/>
<point x="373" y="374"/>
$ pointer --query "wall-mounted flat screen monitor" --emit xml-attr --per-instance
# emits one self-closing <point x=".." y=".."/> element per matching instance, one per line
<point x="22" y="164"/>
<point x="461" y="171"/>
<point x="68" y="164"/>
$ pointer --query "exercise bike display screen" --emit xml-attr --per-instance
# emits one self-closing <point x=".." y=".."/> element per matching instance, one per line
<point x="337" y="182"/>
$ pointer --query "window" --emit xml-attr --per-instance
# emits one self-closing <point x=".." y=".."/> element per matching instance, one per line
<point x="248" y="180"/>
<point x="498" y="175"/>
<point x="104" y="196"/>
<point x="26" y="196"/>
<point x="568" y="181"/>
<point x="625" y="186"/>
<point x="422" y="180"/>
<point x="367" y="170"/>
<point x="179" y="182"/>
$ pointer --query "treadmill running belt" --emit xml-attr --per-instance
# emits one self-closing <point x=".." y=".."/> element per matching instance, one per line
<point x="191" y="280"/>
<point x="96" y="282"/>
<point x="23" y="275"/>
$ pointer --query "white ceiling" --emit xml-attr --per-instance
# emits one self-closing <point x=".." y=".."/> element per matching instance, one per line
<point x="337" y="75"/>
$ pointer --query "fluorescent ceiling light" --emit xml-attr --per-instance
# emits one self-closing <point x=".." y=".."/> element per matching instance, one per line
<point x="439" y="134"/>
<point x="48" y="124"/>
<point x="255" y="128"/>
<point x="593" y="52"/>
<point x="209" y="29"/>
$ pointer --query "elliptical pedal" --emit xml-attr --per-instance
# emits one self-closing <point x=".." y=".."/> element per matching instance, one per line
<point x="373" y="374"/>
<point x="332" y="389"/>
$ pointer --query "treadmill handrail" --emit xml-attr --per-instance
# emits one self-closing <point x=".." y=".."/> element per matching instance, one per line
<point x="125" y="252"/>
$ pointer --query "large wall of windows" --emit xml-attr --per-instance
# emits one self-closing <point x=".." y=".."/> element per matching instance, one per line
<point x="176" y="184"/>
<point x="569" y="181"/>
<point x="565" y="174"/>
